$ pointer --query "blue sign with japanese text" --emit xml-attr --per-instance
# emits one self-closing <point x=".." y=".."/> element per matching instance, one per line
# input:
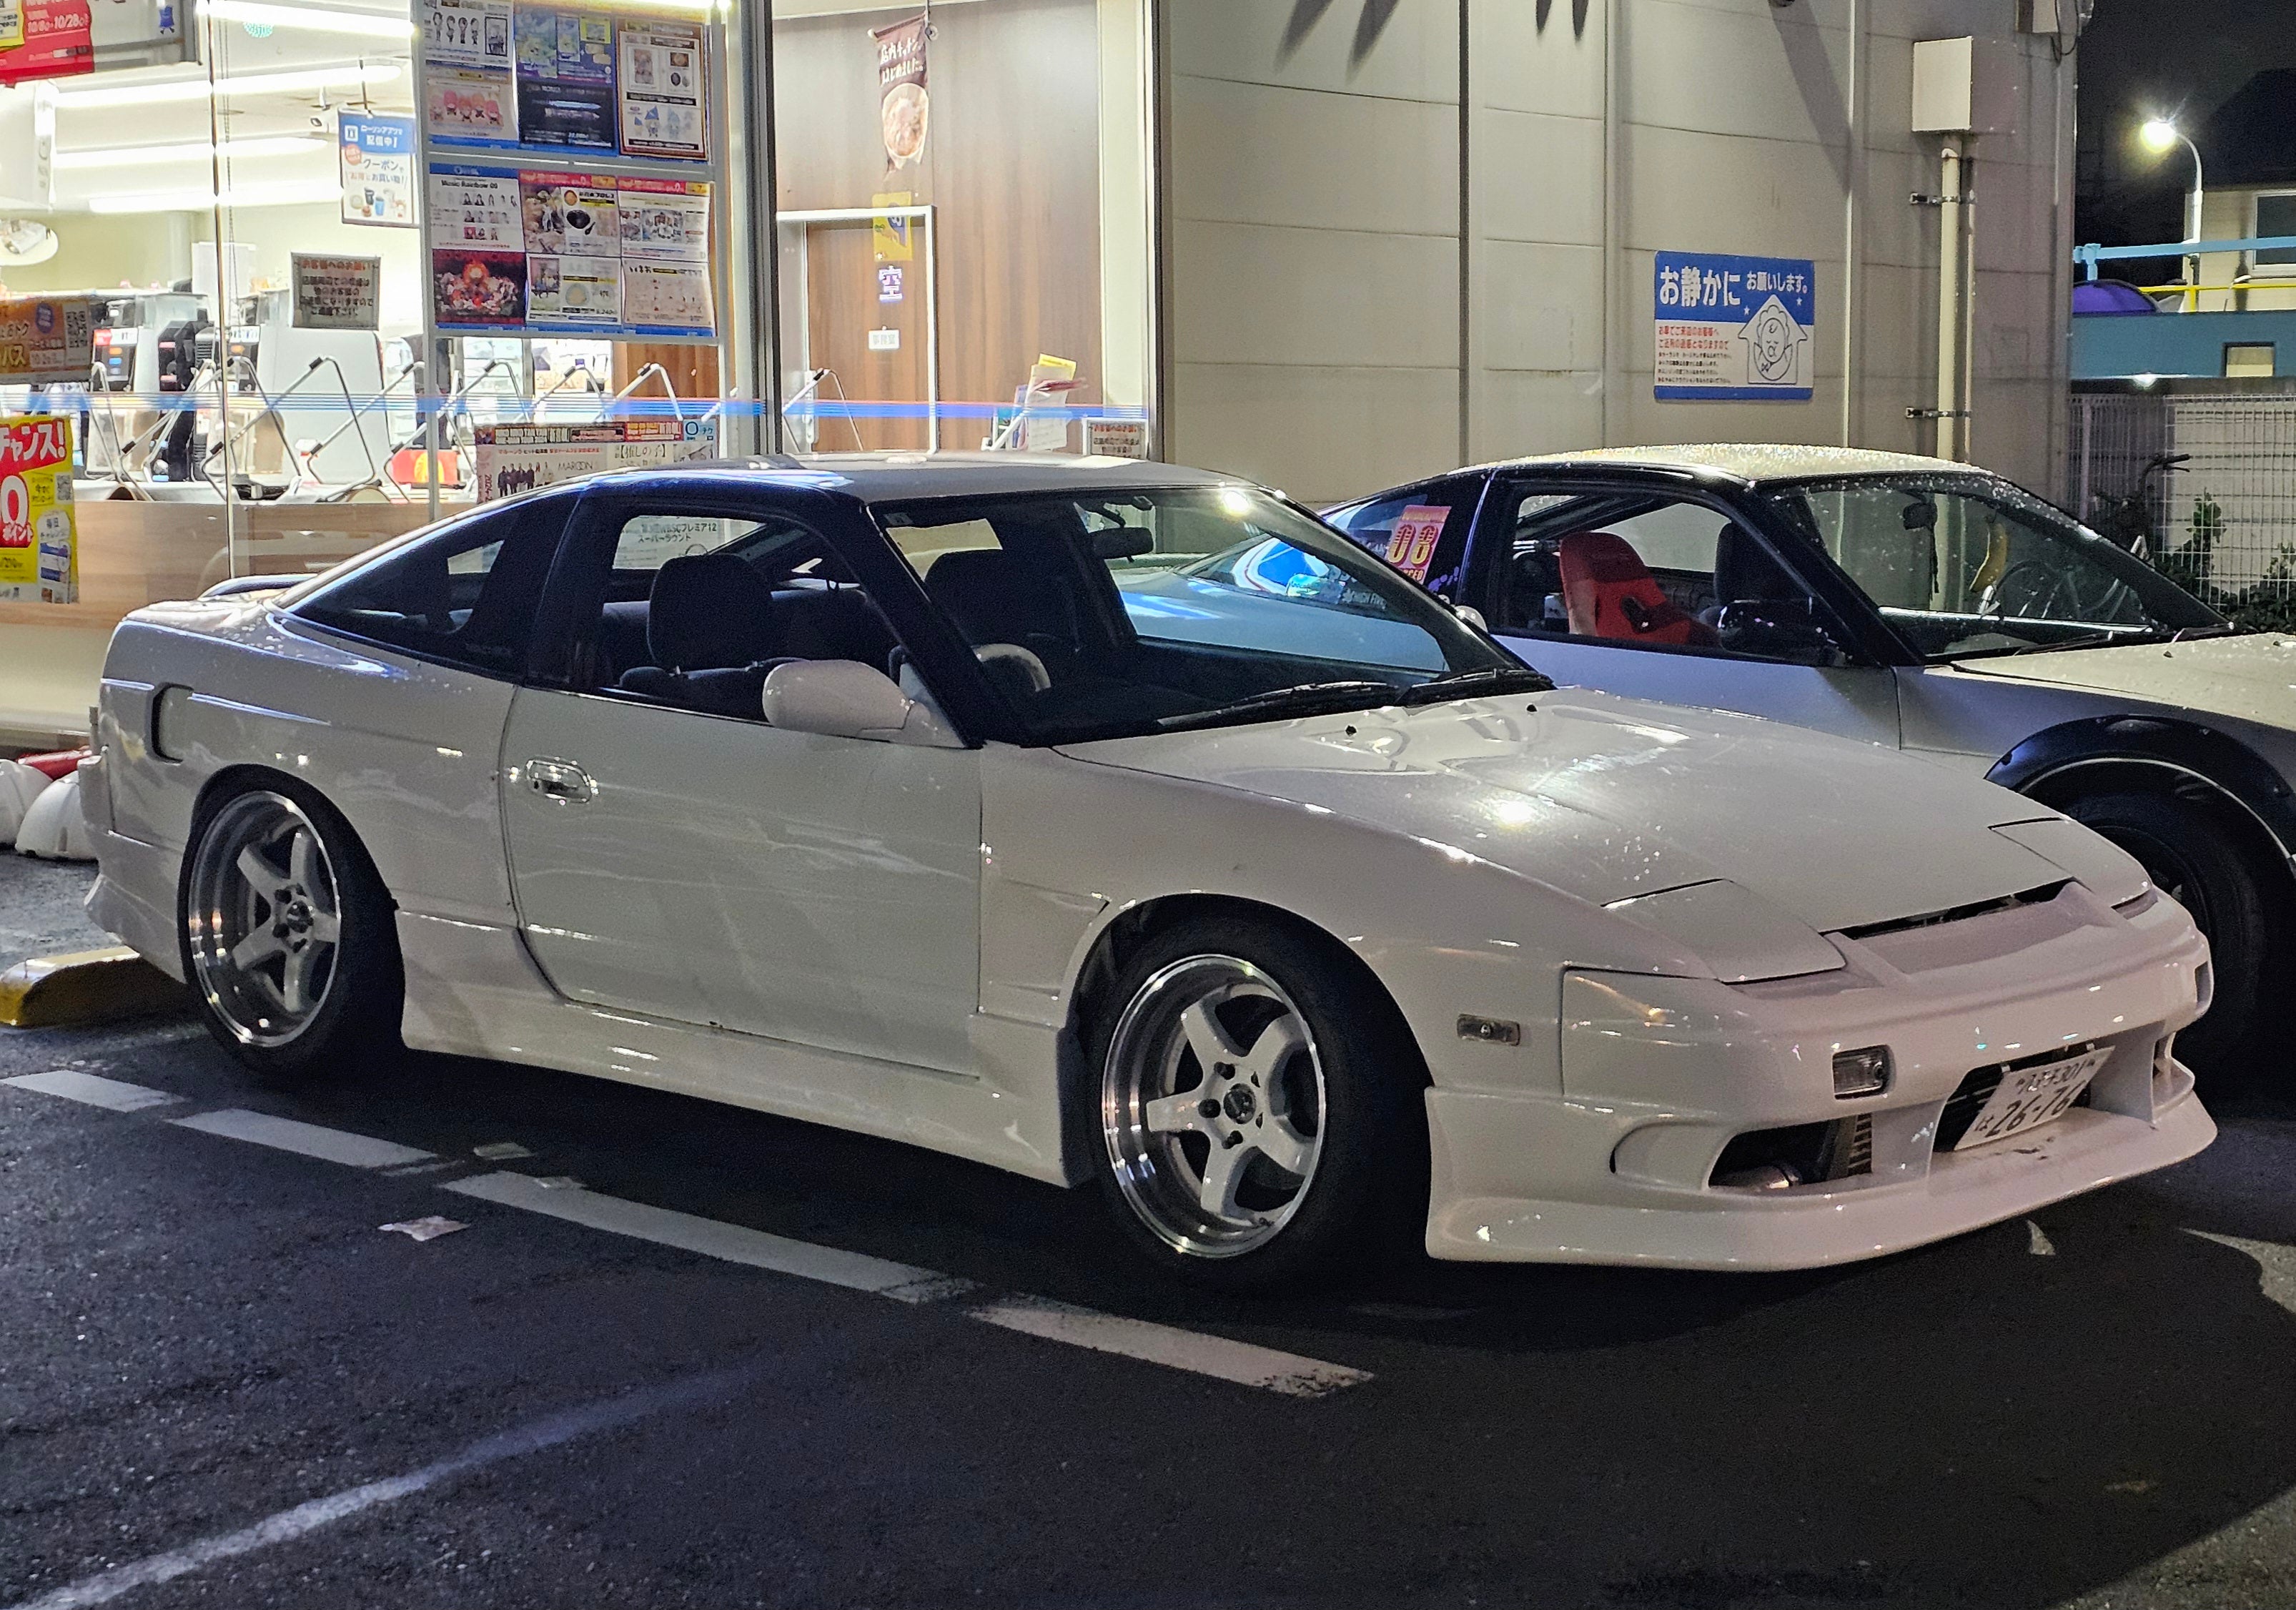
<point x="1734" y="329"/>
<point x="378" y="169"/>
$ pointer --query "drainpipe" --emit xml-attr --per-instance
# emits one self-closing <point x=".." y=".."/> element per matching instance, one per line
<point x="1957" y="346"/>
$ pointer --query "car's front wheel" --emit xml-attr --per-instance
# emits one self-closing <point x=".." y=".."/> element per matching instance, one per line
<point x="1259" y="1108"/>
<point x="287" y="933"/>
<point x="2190" y="857"/>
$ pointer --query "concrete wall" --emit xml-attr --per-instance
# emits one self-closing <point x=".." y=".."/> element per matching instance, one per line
<point x="1366" y="284"/>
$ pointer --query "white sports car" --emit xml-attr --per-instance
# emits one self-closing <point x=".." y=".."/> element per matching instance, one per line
<point x="1909" y="602"/>
<point x="987" y="805"/>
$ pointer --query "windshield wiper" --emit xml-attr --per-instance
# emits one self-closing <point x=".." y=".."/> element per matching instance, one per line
<point x="2106" y="639"/>
<point x="1305" y="699"/>
<point x="1478" y="684"/>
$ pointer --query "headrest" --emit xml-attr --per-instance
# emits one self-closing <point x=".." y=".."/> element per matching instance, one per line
<point x="990" y="596"/>
<point x="710" y="612"/>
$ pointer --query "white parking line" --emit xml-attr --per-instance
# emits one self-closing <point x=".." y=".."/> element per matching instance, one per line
<point x="110" y="1093"/>
<point x="303" y="1519"/>
<point x="309" y="1139"/>
<point x="733" y="1243"/>
<point x="1192" y="1350"/>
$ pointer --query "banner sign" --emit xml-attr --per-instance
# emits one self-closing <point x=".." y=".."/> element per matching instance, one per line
<point x="519" y="458"/>
<point x="45" y="341"/>
<point x="1734" y="329"/>
<point x="378" y="169"/>
<point x="905" y="111"/>
<point x="538" y="252"/>
<point x="39" y="539"/>
<point x="46" y="39"/>
<point x="337" y="293"/>
<point x="565" y="77"/>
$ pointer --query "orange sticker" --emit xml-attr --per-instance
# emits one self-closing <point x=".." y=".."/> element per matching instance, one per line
<point x="1412" y="548"/>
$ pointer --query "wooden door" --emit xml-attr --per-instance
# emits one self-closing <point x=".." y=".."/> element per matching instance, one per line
<point x="852" y="329"/>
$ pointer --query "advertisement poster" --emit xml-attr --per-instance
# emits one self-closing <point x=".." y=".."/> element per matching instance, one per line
<point x="1734" y="329"/>
<point x="664" y="92"/>
<point x="1412" y="548"/>
<point x="52" y="39"/>
<point x="565" y="77"/>
<point x="556" y="252"/>
<point x="45" y="340"/>
<point x="40" y="540"/>
<point x="378" y="169"/>
<point x="906" y="110"/>
<point x="468" y="96"/>
<point x="337" y="293"/>
<point x="1116" y="438"/>
<point x="519" y="458"/>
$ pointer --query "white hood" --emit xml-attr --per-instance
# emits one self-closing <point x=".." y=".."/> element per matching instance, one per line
<point x="2250" y="678"/>
<point x="1608" y="799"/>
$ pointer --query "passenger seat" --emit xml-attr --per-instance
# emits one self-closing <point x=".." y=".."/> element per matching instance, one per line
<point x="715" y="635"/>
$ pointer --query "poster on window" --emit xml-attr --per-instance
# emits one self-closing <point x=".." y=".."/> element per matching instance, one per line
<point x="377" y="164"/>
<point x="565" y="77"/>
<point x="45" y="341"/>
<point x="1411" y="548"/>
<point x="664" y="90"/>
<point x="46" y="39"/>
<point x="518" y="458"/>
<point x="39" y="539"/>
<point x="905" y="109"/>
<point x="469" y="97"/>
<point x="337" y="293"/>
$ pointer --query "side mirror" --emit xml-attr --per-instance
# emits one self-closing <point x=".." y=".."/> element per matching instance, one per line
<point x="845" y="698"/>
<point x="1778" y="628"/>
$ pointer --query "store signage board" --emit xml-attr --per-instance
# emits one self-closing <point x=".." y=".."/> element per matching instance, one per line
<point x="905" y="107"/>
<point x="40" y="537"/>
<point x="1734" y="329"/>
<point x="337" y="293"/>
<point x="519" y="458"/>
<point x="45" y="341"/>
<point x="1116" y="438"/>
<point x="561" y="81"/>
<point x="377" y="161"/>
<point x="46" y="39"/>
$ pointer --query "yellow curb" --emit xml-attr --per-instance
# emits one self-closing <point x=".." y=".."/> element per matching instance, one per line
<point x="83" y="987"/>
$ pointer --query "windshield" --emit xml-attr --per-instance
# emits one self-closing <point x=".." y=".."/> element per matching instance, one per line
<point x="1968" y="566"/>
<point x="1110" y="615"/>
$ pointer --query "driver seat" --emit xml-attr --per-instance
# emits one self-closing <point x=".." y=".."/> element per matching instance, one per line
<point x="1610" y="593"/>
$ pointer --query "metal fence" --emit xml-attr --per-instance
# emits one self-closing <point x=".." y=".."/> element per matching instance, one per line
<point x="2224" y="519"/>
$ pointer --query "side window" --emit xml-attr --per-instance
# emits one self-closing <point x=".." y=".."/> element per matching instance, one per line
<point x="1653" y="570"/>
<point x="1423" y="533"/>
<point x="466" y="595"/>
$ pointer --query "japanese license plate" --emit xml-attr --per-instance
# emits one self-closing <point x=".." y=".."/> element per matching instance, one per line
<point x="2030" y="1098"/>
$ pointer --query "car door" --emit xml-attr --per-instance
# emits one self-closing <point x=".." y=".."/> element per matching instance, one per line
<point x="1666" y="594"/>
<point x="673" y="855"/>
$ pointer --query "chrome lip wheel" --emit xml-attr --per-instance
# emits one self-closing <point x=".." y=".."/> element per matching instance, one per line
<point x="265" y="919"/>
<point x="1212" y="1103"/>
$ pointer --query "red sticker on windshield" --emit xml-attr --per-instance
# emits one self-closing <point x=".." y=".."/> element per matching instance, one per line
<point x="1412" y="548"/>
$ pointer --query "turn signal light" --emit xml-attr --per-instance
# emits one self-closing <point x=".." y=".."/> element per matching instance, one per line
<point x="1865" y="1072"/>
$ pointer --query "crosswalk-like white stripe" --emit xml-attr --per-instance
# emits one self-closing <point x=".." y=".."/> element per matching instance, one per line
<point x="1216" y="1356"/>
<point x="733" y="1242"/>
<point x="110" y="1093"/>
<point x="310" y="1139"/>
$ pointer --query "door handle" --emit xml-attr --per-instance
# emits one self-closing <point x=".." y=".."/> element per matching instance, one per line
<point x="561" y="780"/>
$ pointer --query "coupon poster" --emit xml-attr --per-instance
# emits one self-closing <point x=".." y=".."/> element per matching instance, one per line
<point x="50" y="39"/>
<point x="518" y="458"/>
<point x="565" y="78"/>
<point x="664" y="92"/>
<point x="40" y="537"/>
<point x="378" y="169"/>
<point x="45" y="341"/>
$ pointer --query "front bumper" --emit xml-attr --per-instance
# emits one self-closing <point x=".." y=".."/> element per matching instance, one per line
<point x="1659" y="1073"/>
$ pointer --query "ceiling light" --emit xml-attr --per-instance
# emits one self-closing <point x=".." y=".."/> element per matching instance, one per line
<point x="153" y="91"/>
<point x="303" y="193"/>
<point x="309" y="20"/>
<point x="140" y="156"/>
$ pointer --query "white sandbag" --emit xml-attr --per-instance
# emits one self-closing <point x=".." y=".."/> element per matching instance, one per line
<point x="20" y="786"/>
<point x="55" y="827"/>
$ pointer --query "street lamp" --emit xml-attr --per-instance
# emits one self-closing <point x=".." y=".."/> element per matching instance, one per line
<point x="2161" y="136"/>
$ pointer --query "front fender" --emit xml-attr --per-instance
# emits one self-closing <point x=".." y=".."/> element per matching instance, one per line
<point x="2171" y="745"/>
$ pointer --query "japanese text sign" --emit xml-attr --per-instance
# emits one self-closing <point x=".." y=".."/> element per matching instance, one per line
<point x="1735" y="328"/>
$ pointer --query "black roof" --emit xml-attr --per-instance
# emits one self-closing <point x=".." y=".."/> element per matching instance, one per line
<point x="2251" y="140"/>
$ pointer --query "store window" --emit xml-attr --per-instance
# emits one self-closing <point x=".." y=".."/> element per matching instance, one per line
<point x="963" y="224"/>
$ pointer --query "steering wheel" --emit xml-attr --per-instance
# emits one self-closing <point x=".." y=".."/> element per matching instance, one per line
<point x="2046" y="587"/>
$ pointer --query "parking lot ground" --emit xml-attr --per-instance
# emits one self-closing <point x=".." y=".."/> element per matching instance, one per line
<point x="726" y="1359"/>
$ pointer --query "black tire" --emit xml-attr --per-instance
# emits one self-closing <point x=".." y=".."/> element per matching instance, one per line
<point x="2190" y="855"/>
<point x="355" y="1021"/>
<point x="1364" y="1197"/>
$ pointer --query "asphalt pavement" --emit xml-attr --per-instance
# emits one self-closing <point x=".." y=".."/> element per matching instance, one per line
<point x="683" y="1354"/>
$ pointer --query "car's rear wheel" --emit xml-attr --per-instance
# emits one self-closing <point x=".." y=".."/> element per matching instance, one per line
<point x="287" y="933"/>
<point x="1260" y="1107"/>
<point x="2194" y="858"/>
